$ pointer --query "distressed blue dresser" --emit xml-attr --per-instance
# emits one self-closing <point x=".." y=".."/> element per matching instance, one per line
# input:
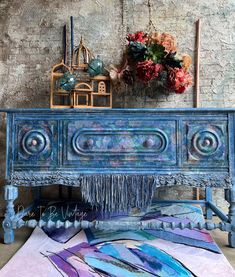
<point x="121" y="150"/>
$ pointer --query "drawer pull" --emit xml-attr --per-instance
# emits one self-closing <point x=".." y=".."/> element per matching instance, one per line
<point x="149" y="143"/>
<point x="34" y="142"/>
<point x="89" y="143"/>
<point x="206" y="142"/>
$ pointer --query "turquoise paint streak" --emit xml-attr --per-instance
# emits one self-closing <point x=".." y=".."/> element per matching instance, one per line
<point x="170" y="267"/>
<point x="166" y="259"/>
<point x="114" y="267"/>
<point x="121" y="252"/>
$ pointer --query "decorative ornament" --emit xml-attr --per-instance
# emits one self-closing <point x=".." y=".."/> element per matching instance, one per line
<point x="123" y="73"/>
<point x="153" y="56"/>
<point x="84" y="82"/>
<point x="81" y="56"/>
<point x="67" y="81"/>
<point x="115" y="74"/>
<point x="95" y="67"/>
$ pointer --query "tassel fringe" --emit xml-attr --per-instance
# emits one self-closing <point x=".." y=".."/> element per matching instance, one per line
<point x="118" y="193"/>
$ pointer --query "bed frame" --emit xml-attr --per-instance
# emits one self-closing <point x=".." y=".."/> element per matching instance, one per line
<point x="169" y="147"/>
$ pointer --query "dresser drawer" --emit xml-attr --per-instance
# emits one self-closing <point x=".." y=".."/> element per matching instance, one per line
<point x="120" y="143"/>
<point x="206" y="143"/>
<point x="35" y="143"/>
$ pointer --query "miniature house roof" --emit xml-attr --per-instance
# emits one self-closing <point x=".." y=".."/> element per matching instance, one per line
<point x="81" y="56"/>
<point x="60" y="67"/>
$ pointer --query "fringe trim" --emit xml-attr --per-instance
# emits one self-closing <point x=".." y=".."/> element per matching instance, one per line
<point x="118" y="192"/>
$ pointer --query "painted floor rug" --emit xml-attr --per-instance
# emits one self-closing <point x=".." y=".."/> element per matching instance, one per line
<point x="61" y="252"/>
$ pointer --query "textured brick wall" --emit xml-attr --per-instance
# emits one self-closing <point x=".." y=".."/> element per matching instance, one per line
<point x="30" y="44"/>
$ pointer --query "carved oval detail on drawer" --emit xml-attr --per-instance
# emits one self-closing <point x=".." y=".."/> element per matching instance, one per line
<point x="35" y="142"/>
<point x="119" y="142"/>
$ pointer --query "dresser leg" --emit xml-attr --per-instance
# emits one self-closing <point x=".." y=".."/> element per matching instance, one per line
<point x="10" y="194"/>
<point x="231" y="235"/>
<point x="209" y="213"/>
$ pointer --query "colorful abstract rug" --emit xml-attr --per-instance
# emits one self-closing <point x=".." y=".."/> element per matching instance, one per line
<point x="71" y="252"/>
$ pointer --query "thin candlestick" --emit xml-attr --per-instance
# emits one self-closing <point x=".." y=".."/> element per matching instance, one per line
<point x="65" y="43"/>
<point x="72" y="38"/>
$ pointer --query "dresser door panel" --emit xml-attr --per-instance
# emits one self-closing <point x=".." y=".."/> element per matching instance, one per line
<point x="206" y="143"/>
<point x="35" y="143"/>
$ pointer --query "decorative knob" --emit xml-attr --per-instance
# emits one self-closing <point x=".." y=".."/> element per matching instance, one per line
<point x="206" y="142"/>
<point x="90" y="143"/>
<point x="34" y="142"/>
<point x="7" y="224"/>
<point x="149" y="143"/>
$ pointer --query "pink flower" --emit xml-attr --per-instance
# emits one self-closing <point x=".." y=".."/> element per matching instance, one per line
<point x="147" y="71"/>
<point x="137" y="37"/>
<point x="164" y="39"/>
<point x="179" y="79"/>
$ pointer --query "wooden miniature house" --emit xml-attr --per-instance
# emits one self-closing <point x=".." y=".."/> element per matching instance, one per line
<point x="89" y="92"/>
<point x="59" y="98"/>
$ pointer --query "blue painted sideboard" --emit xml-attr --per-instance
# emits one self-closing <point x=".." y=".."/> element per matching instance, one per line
<point x="120" y="152"/>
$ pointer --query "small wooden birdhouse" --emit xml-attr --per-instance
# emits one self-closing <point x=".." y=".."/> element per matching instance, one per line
<point x="81" y="56"/>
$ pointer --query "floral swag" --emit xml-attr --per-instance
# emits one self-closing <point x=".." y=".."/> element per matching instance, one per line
<point x="154" y="57"/>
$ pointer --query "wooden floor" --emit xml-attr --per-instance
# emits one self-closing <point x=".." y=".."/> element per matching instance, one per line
<point x="21" y="235"/>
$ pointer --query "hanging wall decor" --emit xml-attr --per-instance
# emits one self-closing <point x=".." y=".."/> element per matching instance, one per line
<point x="153" y="57"/>
<point x="84" y="83"/>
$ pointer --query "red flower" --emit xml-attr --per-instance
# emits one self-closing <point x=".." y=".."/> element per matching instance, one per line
<point x="179" y="79"/>
<point x="147" y="70"/>
<point x="180" y="90"/>
<point x="137" y="37"/>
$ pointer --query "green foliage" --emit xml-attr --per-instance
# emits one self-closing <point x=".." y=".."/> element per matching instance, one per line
<point x="156" y="53"/>
<point x="136" y="51"/>
<point x="173" y="60"/>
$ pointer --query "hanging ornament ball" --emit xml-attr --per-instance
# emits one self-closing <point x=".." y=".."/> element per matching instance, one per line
<point x="67" y="81"/>
<point x="95" y="67"/>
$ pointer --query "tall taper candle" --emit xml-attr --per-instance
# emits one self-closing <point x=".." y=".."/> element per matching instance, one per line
<point x="72" y="39"/>
<point x="65" y="43"/>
